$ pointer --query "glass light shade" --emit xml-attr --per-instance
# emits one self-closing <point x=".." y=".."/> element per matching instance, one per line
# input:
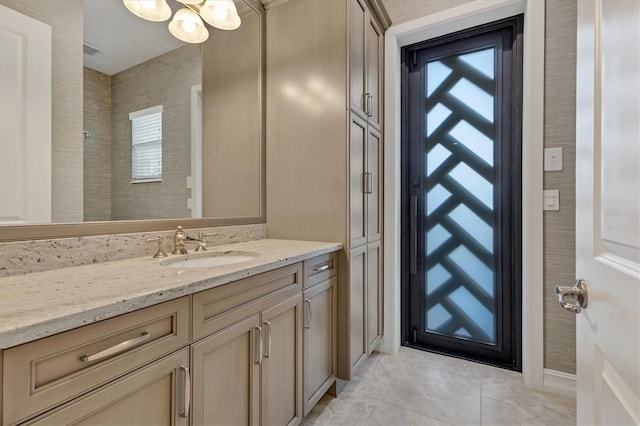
<point x="187" y="26"/>
<point x="220" y="14"/>
<point x="190" y="1"/>
<point x="151" y="10"/>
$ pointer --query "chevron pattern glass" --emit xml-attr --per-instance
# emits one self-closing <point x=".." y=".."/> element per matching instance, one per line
<point x="459" y="218"/>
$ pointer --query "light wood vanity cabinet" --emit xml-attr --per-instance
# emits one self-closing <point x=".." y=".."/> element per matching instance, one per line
<point x="226" y="381"/>
<point x="365" y="302"/>
<point x="152" y="395"/>
<point x="243" y="364"/>
<point x="365" y="62"/>
<point x="46" y="373"/>
<point x="365" y="290"/>
<point x="251" y="372"/>
<point x="325" y="148"/>
<point x="248" y="367"/>
<point x="320" y="328"/>
<point x="365" y="212"/>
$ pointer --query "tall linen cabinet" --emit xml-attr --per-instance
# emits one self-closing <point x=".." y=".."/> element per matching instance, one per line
<point x="324" y="68"/>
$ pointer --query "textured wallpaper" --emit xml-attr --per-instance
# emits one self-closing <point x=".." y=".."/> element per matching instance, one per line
<point x="165" y="80"/>
<point x="559" y="226"/>
<point x="97" y="147"/>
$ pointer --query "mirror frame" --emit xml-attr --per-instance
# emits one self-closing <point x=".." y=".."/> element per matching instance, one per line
<point x="81" y="229"/>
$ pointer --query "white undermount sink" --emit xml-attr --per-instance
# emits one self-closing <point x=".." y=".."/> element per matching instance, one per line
<point x="209" y="260"/>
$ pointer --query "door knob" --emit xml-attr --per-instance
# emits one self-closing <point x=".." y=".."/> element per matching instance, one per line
<point x="578" y="293"/>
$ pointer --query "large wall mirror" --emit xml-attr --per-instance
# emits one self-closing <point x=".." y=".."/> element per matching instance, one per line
<point x="147" y="131"/>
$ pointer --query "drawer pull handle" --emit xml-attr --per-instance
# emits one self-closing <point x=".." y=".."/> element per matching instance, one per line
<point x="308" y="311"/>
<point x="267" y="329"/>
<point x="257" y="345"/>
<point x="186" y="401"/>
<point x="321" y="268"/>
<point x="113" y="350"/>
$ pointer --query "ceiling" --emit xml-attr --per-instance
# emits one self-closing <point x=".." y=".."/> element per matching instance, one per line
<point x="406" y="10"/>
<point x="123" y="39"/>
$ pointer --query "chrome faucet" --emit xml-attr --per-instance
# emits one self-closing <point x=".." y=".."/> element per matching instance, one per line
<point x="180" y="239"/>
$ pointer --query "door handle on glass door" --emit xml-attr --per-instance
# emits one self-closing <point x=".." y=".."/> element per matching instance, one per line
<point x="578" y="292"/>
<point x="413" y="231"/>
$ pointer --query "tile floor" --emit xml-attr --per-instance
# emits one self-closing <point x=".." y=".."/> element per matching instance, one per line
<point x="420" y="388"/>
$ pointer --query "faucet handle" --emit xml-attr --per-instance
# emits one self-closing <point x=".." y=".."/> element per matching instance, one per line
<point x="201" y="237"/>
<point x="160" y="240"/>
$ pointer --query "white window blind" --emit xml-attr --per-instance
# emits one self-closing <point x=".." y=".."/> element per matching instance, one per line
<point x="146" y="144"/>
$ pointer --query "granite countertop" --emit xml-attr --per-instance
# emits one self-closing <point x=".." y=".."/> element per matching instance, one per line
<point x="40" y="304"/>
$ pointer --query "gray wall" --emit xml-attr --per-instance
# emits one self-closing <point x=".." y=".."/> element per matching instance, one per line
<point x="97" y="148"/>
<point x="65" y="19"/>
<point x="165" y="80"/>
<point x="559" y="131"/>
<point x="559" y="226"/>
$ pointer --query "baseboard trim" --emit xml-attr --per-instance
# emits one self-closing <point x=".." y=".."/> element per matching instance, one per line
<point x="559" y="382"/>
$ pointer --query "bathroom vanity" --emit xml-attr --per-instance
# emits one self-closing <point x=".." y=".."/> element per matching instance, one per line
<point x="146" y="341"/>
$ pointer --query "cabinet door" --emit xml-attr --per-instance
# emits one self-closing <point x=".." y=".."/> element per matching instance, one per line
<point x="152" y="395"/>
<point x="374" y="60"/>
<point x="357" y="308"/>
<point x="226" y="374"/>
<point x="320" y="350"/>
<point x="374" y="294"/>
<point x="374" y="184"/>
<point x="281" y="373"/>
<point x="357" y="66"/>
<point x="357" y="164"/>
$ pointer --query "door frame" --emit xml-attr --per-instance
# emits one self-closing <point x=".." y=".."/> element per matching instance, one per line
<point x="196" y="151"/>
<point x="506" y="213"/>
<point x="451" y="20"/>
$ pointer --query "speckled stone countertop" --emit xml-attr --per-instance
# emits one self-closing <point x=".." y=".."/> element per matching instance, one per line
<point x="40" y="304"/>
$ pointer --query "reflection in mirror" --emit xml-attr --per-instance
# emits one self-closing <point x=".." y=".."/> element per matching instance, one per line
<point x="207" y="159"/>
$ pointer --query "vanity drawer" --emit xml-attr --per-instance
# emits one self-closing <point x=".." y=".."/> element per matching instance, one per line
<point x="320" y="268"/>
<point x="223" y="306"/>
<point x="49" y="371"/>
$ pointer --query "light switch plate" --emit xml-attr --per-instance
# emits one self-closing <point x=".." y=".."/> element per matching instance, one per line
<point x="552" y="159"/>
<point x="551" y="199"/>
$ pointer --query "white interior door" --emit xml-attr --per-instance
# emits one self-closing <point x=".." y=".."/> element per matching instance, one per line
<point x="25" y="119"/>
<point x="608" y="211"/>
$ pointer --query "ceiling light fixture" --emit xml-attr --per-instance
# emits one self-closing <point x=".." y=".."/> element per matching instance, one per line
<point x="187" y="23"/>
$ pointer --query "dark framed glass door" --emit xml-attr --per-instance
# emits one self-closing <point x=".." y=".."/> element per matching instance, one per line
<point x="461" y="194"/>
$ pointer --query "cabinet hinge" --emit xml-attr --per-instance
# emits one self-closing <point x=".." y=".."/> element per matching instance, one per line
<point x="415" y="336"/>
<point x="415" y="58"/>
